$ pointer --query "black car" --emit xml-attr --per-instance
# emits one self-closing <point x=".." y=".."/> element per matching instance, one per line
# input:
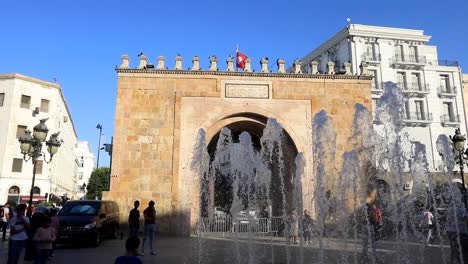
<point x="88" y="221"/>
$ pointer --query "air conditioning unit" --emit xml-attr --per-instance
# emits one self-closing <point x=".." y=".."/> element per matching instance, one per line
<point x="65" y="119"/>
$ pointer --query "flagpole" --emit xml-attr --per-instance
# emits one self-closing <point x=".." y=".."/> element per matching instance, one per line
<point x="237" y="50"/>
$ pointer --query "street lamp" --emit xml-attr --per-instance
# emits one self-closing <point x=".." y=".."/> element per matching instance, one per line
<point x="99" y="126"/>
<point x="459" y="144"/>
<point x="31" y="148"/>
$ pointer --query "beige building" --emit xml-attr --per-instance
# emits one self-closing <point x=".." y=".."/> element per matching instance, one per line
<point x="159" y="112"/>
<point x="23" y="101"/>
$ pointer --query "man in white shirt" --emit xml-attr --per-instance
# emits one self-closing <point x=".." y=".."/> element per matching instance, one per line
<point x="5" y="219"/>
<point x="18" y="238"/>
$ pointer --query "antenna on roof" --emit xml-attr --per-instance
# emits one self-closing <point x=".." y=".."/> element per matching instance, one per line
<point x="55" y="80"/>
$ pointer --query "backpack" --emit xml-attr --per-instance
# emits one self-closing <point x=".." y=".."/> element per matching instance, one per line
<point x="2" y="212"/>
<point x="374" y="214"/>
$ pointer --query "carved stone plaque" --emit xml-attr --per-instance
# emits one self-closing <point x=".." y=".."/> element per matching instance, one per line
<point x="260" y="91"/>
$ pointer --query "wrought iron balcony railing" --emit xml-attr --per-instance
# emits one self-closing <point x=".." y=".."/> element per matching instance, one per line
<point x="448" y="120"/>
<point x="417" y="89"/>
<point x="417" y="117"/>
<point x="369" y="57"/>
<point x="447" y="91"/>
<point x="406" y="62"/>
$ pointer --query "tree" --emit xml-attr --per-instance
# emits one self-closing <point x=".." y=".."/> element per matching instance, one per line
<point x="100" y="179"/>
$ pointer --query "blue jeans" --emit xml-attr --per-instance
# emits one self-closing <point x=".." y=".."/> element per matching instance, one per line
<point x="149" y="233"/>
<point x="15" y="248"/>
<point x="41" y="256"/>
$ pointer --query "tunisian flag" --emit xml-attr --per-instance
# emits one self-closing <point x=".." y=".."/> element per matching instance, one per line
<point x="240" y="59"/>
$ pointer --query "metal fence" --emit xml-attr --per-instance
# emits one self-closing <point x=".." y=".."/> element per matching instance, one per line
<point x="273" y="225"/>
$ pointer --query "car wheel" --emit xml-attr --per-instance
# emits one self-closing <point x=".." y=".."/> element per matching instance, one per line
<point x="97" y="239"/>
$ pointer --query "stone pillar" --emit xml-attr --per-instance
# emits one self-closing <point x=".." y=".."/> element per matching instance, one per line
<point x="248" y="65"/>
<point x="161" y="61"/>
<point x="213" y="63"/>
<point x="314" y="67"/>
<point x="196" y="63"/>
<point x="125" y="62"/>
<point x="264" y="65"/>
<point x="364" y="68"/>
<point x="330" y="67"/>
<point x="230" y="63"/>
<point x="178" y="62"/>
<point x="143" y="61"/>
<point x="297" y="66"/>
<point x="281" y="63"/>
<point x="347" y="66"/>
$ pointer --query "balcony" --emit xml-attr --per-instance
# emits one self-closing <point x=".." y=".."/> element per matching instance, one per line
<point x="447" y="91"/>
<point x="377" y="88"/>
<point x="448" y="63"/>
<point x="417" y="118"/>
<point x="415" y="89"/>
<point x="371" y="58"/>
<point x="450" y="120"/>
<point x="408" y="62"/>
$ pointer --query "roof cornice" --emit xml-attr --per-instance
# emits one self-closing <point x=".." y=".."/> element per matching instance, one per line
<point x="245" y="74"/>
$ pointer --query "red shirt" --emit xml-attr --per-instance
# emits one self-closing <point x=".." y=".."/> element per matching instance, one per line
<point x="150" y="216"/>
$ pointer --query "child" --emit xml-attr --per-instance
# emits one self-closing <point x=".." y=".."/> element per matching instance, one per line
<point x="131" y="245"/>
<point x="43" y="238"/>
<point x="307" y="224"/>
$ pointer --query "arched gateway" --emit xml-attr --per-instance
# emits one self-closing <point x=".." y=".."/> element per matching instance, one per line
<point x="159" y="113"/>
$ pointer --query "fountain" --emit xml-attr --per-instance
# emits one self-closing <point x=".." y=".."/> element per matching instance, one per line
<point x="259" y="184"/>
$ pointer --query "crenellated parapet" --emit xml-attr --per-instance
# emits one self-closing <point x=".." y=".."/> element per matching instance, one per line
<point x="297" y="69"/>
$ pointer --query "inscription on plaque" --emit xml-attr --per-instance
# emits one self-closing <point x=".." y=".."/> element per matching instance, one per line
<point x="260" y="91"/>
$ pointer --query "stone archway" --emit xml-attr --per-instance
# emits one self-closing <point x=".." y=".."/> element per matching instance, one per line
<point x="249" y="115"/>
<point x="282" y="171"/>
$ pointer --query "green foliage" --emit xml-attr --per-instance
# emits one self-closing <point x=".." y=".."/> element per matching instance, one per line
<point x="100" y="179"/>
<point x="49" y="203"/>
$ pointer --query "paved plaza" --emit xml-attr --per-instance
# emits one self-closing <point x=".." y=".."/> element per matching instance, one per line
<point x="219" y="249"/>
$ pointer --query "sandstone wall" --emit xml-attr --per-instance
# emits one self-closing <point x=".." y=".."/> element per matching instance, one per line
<point x="148" y="121"/>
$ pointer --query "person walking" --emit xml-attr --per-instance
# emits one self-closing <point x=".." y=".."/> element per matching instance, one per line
<point x="370" y="224"/>
<point x="4" y="219"/>
<point x="426" y="223"/>
<point x="150" y="224"/>
<point x="43" y="239"/>
<point x="293" y="223"/>
<point x="134" y="220"/>
<point x="130" y="257"/>
<point x="18" y="225"/>
<point x="55" y="224"/>
<point x="307" y="225"/>
<point x="457" y="231"/>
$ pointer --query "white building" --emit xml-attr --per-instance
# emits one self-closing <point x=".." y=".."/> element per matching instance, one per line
<point x="23" y="101"/>
<point x="86" y="161"/>
<point x="432" y="86"/>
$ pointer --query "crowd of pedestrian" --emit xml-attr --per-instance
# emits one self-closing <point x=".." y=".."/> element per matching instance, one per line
<point x="133" y="242"/>
<point x="34" y="238"/>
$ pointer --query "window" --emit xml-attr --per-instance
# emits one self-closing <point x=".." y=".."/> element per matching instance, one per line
<point x="399" y="52"/>
<point x="407" y="110"/>
<point x="39" y="165"/>
<point x="36" y="190"/>
<point x="81" y="164"/>
<point x="25" y="101"/>
<point x="420" y="114"/>
<point x="17" y="165"/>
<point x="44" y="105"/>
<point x="13" y="195"/>
<point x="375" y="80"/>
<point x="2" y="98"/>
<point x="80" y="175"/>
<point x="413" y="54"/>
<point x="20" y="131"/>
<point x="448" y="112"/>
<point x="444" y="83"/>
<point x="415" y="81"/>
<point x="401" y="80"/>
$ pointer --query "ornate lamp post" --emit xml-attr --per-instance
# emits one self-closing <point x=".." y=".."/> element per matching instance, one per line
<point x="31" y="148"/>
<point x="459" y="145"/>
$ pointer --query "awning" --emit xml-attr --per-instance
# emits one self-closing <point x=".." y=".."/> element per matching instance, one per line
<point x="36" y="198"/>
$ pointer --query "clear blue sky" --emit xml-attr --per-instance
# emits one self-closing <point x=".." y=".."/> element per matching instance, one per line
<point x="80" y="42"/>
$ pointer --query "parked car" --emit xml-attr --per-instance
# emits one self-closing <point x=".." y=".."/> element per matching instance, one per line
<point x="88" y="221"/>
